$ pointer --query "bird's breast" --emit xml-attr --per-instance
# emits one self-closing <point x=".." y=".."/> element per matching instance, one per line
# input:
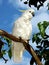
<point x="23" y="29"/>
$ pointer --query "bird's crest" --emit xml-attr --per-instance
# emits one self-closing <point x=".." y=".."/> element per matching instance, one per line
<point x="22" y="10"/>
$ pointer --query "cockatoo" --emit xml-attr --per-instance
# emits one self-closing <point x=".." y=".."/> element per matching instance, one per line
<point x="22" y="28"/>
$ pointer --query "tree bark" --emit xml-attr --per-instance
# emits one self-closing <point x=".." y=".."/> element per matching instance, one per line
<point x="26" y="45"/>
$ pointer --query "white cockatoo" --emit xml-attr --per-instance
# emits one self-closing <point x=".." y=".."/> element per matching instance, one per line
<point x="22" y="28"/>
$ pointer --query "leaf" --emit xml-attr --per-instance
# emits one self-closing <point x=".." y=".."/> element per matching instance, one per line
<point x="40" y="57"/>
<point x="47" y="62"/>
<point x="1" y="55"/>
<point x="39" y="47"/>
<point x="10" y="53"/>
<point x="45" y="24"/>
<point x="32" y="61"/>
<point x="1" y="45"/>
<point x="46" y="43"/>
<point x="3" y="52"/>
<point x="8" y="41"/>
<point x="36" y="38"/>
<point x="25" y="2"/>
<point x="35" y="3"/>
<point x="42" y="27"/>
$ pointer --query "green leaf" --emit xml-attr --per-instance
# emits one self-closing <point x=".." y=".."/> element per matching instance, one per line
<point x="36" y="38"/>
<point x="3" y="52"/>
<point x="42" y="27"/>
<point x="1" y="55"/>
<point x="45" y="24"/>
<point x="8" y="41"/>
<point x="10" y="53"/>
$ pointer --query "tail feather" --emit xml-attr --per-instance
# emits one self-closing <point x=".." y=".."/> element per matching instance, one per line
<point x="17" y="51"/>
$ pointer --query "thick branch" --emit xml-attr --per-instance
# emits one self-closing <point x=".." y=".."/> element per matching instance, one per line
<point x="26" y="45"/>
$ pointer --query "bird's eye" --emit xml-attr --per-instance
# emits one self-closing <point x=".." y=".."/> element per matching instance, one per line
<point x="30" y="11"/>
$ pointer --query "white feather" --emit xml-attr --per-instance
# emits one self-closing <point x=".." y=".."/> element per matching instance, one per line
<point x="22" y="28"/>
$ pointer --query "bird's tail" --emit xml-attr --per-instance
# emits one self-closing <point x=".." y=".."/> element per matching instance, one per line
<point x="17" y="51"/>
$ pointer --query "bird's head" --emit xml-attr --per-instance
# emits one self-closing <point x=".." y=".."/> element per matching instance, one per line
<point x="28" y="14"/>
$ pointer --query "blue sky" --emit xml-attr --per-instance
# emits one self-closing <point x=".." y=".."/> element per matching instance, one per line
<point x="9" y="12"/>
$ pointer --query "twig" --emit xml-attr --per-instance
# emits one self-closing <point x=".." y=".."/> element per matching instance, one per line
<point x="26" y="45"/>
<point x="5" y="59"/>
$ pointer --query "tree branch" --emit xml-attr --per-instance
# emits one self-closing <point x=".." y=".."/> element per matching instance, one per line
<point x="26" y="45"/>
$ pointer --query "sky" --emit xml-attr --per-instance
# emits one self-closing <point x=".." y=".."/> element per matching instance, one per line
<point x="9" y="12"/>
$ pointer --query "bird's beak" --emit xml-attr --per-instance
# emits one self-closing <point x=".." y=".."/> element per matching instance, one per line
<point x="33" y="14"/>
<point x="22" y="10"/>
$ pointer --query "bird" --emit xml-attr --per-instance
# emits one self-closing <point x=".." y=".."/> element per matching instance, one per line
<point x="22" y="27"/>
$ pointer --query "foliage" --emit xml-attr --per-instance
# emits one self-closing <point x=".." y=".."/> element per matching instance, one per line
<point x="5" y="51"/>
<point x="41" y="38"/>
<point x="9" y="53"/>
<point x="35" y="3"/>
<point x="42" y="42"/>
